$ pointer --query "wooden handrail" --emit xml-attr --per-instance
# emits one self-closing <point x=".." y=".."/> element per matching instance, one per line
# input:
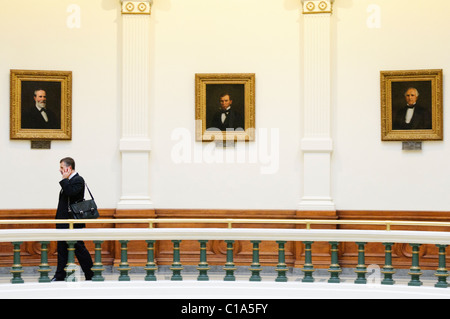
<point x="228" y="221"/>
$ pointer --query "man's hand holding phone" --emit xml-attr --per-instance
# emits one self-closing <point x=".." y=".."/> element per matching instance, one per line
<point x="66" y="172"/>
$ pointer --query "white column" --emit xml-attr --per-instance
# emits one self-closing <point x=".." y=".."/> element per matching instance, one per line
<point x="317" y="144"/>
<point x="135" y="144"/>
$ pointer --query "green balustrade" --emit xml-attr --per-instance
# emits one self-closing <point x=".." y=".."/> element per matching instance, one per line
<point x="124" y="267"/>
<point x="281" y="267"/>
<point x="388" y="270"/>
<point x="229" y="265"/>
<point x="334" y="269"/>
<point x="44" y="268"/>
<point x="97" y="268"/>
<point x="203" y="265"/>
<point x="441" y="272"/>
<point x="415" y="271"/>
<point x="150" y="267"/>
<point x="177" y="267"/>
<point x="71" y="267"/>
<point x="308" y="267"/>
<point x="255" y="267"/>
<point x="17" y="269"/>
<point x="361" y="268"/>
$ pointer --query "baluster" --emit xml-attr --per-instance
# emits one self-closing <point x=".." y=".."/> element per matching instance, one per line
<point x="255" y="268"/>
<point x="441" y="272"/>
<point x="229" y="265"/>
<point x="203" y="265"/>
<point x="17" y="269"/>
<point x="71" y="267"/>
<point x="150" y="267"/>
<point x="281" y="267"/>
<point x="388" y="270"/>
<point x="176" y="265"/>
<point x="124" y="267"/>
<point x="414" y="271"/>
<point x="361" y="268"/>
<point x="308" y="267"/>
<point x="98" y="266"/>
<point x="334" y="269"/>
<point x="44" y="268"/>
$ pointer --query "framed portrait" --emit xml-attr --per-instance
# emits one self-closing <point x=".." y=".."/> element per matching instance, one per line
<point x="225" y="107"/>
<point x="40" y="105"/>
<point x="411" y="105"/>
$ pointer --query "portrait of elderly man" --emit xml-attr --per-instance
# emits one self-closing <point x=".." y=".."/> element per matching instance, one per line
<point x="40" y="115"/>
<point x="413" y="114"/>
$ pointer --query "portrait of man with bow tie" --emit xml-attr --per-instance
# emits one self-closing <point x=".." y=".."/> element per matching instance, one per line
<point x="40" y="105"/>
<point x="39" y="116"/>
<point x="226" y="116"/>
<point x="412" y="105"/>
<point x="225" y="107"/>
<point x="412" y="115"/>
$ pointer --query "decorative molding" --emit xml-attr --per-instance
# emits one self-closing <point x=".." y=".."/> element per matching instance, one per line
<point x="137" y="7"/>
<point x="317" y="6"/>
<point x="319" y="144"/>
<point x="317" y="203"/>
<point x="135" y="145"/>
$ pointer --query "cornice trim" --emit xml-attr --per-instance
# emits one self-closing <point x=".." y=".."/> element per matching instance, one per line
<point x="137" y="7"/>
<point x="317" y="6"/>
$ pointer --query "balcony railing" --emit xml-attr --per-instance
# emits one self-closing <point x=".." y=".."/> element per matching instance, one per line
<point x="229" y="234"/>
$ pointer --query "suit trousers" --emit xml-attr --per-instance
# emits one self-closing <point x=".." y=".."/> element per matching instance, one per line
<point x="82" y="254"/>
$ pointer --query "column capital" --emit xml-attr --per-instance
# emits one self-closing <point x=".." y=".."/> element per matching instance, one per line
<point x="137" y="6"/>
<point x="317" y="6"/>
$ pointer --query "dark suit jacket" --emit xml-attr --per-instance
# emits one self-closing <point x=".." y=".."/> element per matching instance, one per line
<point x="421" y="119"/>
<point x="72" y="191"/>
<point x="32" y="119"/>
<point x="233" y="120"/>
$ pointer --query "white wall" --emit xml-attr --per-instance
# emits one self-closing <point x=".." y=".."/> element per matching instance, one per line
<point x="36" y="36"/>
<point x="369" y="173"/>
<point x="216" y="36"/>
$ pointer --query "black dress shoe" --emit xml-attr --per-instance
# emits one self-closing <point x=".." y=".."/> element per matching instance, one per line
<point x="56" y="279"/>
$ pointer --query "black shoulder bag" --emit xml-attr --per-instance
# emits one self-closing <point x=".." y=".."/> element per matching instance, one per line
<point x="85" y="209"/>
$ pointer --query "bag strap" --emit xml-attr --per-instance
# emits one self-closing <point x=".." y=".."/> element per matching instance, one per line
<point x="89" y="191"/>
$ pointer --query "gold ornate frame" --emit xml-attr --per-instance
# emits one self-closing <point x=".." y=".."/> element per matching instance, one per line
<point x="391" y="82"/>
<point x="205" y="84"/>
<point x="60" y="78"/>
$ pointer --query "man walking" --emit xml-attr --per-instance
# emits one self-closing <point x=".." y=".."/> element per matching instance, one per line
<point x="72" y="191"/>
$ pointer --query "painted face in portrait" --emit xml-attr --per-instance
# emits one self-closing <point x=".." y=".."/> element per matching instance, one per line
<point x="411" y="96"/>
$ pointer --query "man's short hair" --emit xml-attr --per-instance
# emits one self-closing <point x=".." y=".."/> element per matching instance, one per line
<point x="69" y="162"/>
<point x="37" y="90"/>
<point x="225" y="94"/>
